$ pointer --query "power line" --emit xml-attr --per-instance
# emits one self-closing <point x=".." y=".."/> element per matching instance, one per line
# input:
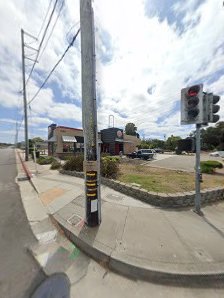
<point x="42" y="40"/>
<point x="49" y="21"/>
<point x="48" y="9"/>
<point x="45" y="81"/>
<point x="52" y="29"/>
<point x="73" y="26"/>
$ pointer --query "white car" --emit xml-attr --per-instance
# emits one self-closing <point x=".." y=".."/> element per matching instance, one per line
<point x="217" y="154"/>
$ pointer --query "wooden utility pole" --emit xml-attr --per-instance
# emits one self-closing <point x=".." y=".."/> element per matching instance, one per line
<point x="89" y="116"/>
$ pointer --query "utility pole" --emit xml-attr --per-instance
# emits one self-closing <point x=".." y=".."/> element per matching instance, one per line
<point x="198" y="170"/>
<point x="89" y="116"/>
<point x="24" y="100"/>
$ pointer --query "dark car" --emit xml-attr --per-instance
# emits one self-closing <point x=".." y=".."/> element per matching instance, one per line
<point x="159" y="150"/>
<point x="143" y="154"/>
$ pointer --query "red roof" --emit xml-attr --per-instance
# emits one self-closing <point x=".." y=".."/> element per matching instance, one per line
<point x="69" y="128"/>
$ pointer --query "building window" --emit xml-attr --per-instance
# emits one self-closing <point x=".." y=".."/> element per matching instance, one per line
<point x="68" y="147"/>
<point x="79" y="147"/>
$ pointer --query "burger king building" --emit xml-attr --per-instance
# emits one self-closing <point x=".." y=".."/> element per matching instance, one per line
<point x="64" y="141"/>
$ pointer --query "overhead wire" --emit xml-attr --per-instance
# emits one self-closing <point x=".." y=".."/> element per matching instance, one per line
<point x="55" y="66"/>
<point x="48" y="24"/>
<point x="42" y="26"/>
<point x="73" y="26"/>
<point x="52" y="29"/>
<point x="42" y="40"/>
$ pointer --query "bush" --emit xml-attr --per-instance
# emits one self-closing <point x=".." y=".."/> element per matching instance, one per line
<point x="110" y="166"/>
<point x="104" y="154"/>
<point x="55" y="165"/>
<point x="213" y="164"/>
<point x="206" y="169"/>
<point x="209" y="166"/>
<point x="45" y="160"/>
<point x="75" y="163"/>
<point x="66" y="157"/>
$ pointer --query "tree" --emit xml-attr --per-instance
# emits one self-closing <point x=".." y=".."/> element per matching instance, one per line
<point x="171" y="142"/>
<point x="130" y="129"/>
<point x="152" y="143"/>
<point x="212" y="137"/>
<point x="37" y="139"/>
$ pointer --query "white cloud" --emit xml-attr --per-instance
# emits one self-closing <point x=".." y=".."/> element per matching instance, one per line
<point x="147" y="52"/>
<point x="143" y="52"/>
<point x="6" y="120"/>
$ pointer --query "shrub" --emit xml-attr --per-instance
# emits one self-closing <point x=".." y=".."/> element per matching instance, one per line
<point x="213" y="164"/>
<point x="104" y="154"/>
<point x="45" y="160"/>
<point x="75" y="163"/>
<point x="206" y="169"/>
<point x="109" y="167"/>
<point x="66" y="157"/>
<point x="55" y="165"/>
<point x="209" y="166"/>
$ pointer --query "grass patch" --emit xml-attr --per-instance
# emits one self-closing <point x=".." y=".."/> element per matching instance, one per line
<point x="164" y="180"/>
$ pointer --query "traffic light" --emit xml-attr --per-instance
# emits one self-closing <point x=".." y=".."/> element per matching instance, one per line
<point x="192" y="110"/>
<point x="213" y="108"/>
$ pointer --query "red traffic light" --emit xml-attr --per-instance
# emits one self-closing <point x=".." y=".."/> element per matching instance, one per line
<point x="192" y="104"/>
<point x="193" y="91"/>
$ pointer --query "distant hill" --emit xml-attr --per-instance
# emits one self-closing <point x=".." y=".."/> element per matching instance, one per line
<point x="4" y="145"/>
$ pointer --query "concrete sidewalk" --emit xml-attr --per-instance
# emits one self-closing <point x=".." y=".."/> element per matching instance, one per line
<point x="134" y="238"/>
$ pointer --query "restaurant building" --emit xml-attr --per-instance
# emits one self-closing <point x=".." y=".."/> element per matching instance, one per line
<point x="64" y="140"/>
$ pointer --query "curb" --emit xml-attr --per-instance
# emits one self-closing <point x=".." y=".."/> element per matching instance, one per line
<point x="27" y="172"/>
<point x="25" y="168"/>
<point x="131" y="269"/>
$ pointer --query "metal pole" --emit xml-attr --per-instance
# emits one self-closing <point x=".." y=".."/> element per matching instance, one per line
<point x="89" y="115"/>
<point x="197" y="171"/>
<point x="34" y="157"/>
<point x="24" y="100"/>
<point x="112" y="120"/>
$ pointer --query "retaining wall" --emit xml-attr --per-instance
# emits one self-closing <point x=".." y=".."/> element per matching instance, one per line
<point x="169" y="200"/>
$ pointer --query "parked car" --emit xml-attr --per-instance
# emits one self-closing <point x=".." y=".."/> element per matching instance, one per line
<point x="217" y="154"/>
<point x="143" y="154"/>
<point x="158" y="150"/>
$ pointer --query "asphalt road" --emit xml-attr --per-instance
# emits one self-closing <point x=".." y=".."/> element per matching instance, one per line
<point x="179" y="162"/>
<point x="19" y="273"/>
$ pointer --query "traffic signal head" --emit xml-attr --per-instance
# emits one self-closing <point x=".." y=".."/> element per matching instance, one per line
<point x="213" y="108"/>
<point x="192" y="105"/>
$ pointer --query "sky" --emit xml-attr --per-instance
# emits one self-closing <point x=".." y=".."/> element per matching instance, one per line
<point x="146" y="52"/>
